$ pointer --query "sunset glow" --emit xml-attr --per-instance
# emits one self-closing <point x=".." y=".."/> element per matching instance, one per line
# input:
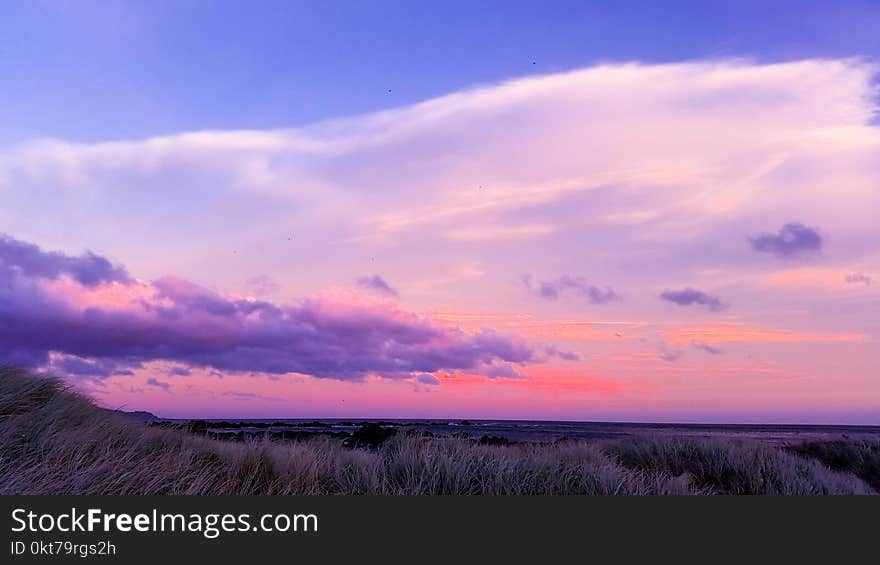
<point x="618" y="239"/>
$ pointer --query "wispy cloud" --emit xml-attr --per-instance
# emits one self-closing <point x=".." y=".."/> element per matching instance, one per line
<point x="858" y="278"/>
<point x="501" y="371"/>
<point x="693" y="297"/>
<point x="239" y="395"/>
<point x="473" y="171"/>
<point x="670" y="355"/>
<point x="263" y="285"/>
<point x="742" y="333"/>
<point x="564" y="355"/>
<point x="152" y="381"/>
<point x="378" y="284"/>
<point x="578" y="286"/>
<point x="499" y="233"/>
<point x="707" y="348"/>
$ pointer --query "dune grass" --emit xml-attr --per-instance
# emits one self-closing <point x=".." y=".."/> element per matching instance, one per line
<point x="55" y="441"/>
<point x="859" y="457"/>
<point x="727" y="466"/>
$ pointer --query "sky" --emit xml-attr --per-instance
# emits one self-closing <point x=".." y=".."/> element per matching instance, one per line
<point x="554" y="210"/>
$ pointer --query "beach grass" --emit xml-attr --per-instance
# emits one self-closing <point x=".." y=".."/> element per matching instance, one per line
<point x="54" y="440"/>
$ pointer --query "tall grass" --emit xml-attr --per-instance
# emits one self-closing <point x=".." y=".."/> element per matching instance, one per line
<point x="860" y="457"/>
<point x="55" y="441"/>
<point x="731" y="466"/>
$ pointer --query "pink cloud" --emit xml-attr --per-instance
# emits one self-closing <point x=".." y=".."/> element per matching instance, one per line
<point x="336" y="334"/>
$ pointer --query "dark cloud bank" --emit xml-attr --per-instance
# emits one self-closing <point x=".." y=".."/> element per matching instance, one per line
<point x="190" y="325"/>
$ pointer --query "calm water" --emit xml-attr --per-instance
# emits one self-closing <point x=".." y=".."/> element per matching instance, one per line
<point x="542" y="431"/>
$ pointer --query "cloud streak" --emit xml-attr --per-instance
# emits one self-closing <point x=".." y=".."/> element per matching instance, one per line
<point x="669" y="355"/>
<point x="707" y="348"/>
<point x="741" y="333"/>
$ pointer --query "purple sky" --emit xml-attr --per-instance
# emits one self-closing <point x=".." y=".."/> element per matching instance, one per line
<point x="685" y="235"/>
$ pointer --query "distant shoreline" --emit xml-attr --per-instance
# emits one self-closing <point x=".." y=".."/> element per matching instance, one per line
<point x="146" y="415"/>
<point x="516" y="430"/>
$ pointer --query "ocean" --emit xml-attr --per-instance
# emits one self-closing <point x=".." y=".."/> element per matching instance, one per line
<point x="548" y="431"/>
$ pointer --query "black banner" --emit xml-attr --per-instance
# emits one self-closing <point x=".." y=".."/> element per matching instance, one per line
<point x="244" y="530"/>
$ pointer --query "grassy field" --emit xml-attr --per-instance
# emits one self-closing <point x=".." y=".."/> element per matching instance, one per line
<point x="55" y="441"/>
